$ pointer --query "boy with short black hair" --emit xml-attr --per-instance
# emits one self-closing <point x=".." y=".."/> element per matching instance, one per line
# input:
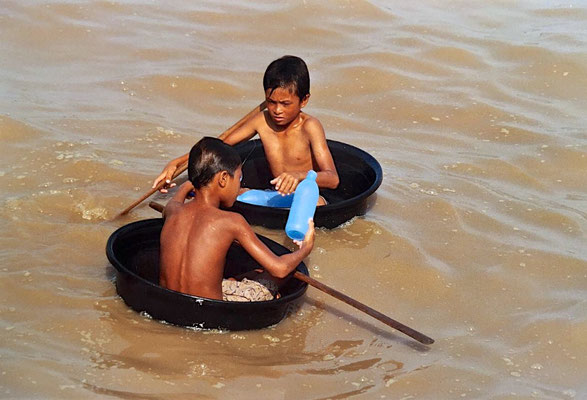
<point x="294" y="141"/>
<point x="197" y="235"/>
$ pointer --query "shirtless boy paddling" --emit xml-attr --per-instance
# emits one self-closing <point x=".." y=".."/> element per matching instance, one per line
<point x="294" y="142"/>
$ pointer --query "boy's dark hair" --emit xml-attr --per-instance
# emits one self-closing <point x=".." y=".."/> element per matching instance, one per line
<point x="208" y="157"/>
<point x="286" y="72"/>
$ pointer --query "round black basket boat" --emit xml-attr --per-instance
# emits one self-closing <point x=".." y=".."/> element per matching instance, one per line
<point x="134" y="251"/>
<point x="360" y="175"/>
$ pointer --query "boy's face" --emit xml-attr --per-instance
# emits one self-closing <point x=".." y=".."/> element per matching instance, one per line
<point x="284" y="105"/>
<point x="233" y="187"/>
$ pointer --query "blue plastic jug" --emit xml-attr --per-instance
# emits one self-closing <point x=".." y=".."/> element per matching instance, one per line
<point x="303" y="207"/>
<point x="267" y="198"/>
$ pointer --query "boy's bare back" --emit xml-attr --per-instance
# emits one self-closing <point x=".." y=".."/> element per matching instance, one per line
<point x="196" y="235"/>
<point x="194" y="243"/>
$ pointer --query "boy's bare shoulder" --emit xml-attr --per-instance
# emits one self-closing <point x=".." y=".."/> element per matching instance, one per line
<point x="312" y="125"/>
<point x="213" y="215"/>
<point x="232" y="219"/>
<point x="261" y="119"/>
<point x="237" y="225"/>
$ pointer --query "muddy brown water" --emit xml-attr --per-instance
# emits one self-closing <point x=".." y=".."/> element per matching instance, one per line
<point x="476" y="112"/>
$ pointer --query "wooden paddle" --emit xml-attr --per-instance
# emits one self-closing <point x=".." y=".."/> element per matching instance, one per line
<point x="184" y="166"/>
<point x="420" y="337"/>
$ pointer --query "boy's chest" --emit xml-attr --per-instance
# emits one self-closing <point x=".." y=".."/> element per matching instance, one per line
<point x="287" y="147"/>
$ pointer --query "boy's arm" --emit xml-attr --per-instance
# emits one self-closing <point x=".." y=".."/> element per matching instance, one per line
<point x="178" y="199"/>
<point x="244" y="132"/>
<point x="169" y="170"/>
<point x="327" y="174"/>
<point x="278" y="266"/>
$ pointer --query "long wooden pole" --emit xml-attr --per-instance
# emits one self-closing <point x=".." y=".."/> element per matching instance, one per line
<point x="420" y="337"/>
<point x="184" y="166"/>
<point x="414" y="334"/>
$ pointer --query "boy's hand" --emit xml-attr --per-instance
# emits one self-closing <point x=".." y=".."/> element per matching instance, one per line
<point x="166" y="175"/>
<point x="308" y="242"/>
<point x="285" y="183"/>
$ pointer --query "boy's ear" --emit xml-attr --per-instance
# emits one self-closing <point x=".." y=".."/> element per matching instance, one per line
<point x="223" y="178"/>
<point x="305" y="100"/>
